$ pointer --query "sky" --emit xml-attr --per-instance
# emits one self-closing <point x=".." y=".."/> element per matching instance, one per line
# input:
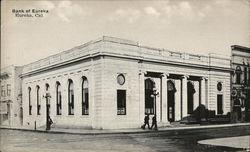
<point x="192" y="26"/>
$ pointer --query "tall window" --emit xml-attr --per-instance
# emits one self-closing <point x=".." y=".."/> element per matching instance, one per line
<point x="121" y="102"/>
<point x="29" y="96"/>
<point x="8" y="90"/>
<point x="58" y="99"/>
<point x="238" y="74"/>
<point x="245" y="75"/>
<point x="248" y="75"/>
<point x="2" y="91"/>
<point x="85" y="96"/>
<point x="219" y="104"/>
<point x="38" y="100"/>
<point x="149" y="100"/>
<point x="71" y="97"/>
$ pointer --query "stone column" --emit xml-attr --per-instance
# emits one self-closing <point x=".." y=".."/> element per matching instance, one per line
<point x="203" y="91"/>
<point x="164" y="97"/>
<point x="142" y="95"/>
<point x="184" y="96"/>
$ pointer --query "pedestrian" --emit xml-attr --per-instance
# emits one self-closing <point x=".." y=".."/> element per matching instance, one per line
<point x="50" y="122"/>
<point x="146" y="122"/>
<point x="154" y="123"/>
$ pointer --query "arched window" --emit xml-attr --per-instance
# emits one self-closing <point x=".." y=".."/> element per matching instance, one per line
<point x="38" y="101"/>
<point x="149" y="100"/>
<point x="58" y="99"/>
<point x="29" y="96"/>
<point x="71" y="97"/>
<point x="85" y="96"/>
<point x="238" y="72"/>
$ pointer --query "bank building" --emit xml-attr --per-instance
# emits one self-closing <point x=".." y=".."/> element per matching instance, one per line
<point x="111" y="83"/>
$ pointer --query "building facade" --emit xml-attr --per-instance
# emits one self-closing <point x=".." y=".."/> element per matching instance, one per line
<point x="111" y="83"/>
<point x="241" y="83"/>
<point x="10" y="101"/>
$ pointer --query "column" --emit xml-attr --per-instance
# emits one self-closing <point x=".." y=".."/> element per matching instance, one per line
<point x="184" y="96"/>
<point x="142" y="96"/>
<point x="203" y="91"/>
<point x="77" y="82"/>
<point x="177" y="100"/>
<point x="164" y="97"/>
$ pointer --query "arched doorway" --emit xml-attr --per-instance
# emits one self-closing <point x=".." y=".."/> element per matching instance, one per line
<point x="171" y="100"/>
<point x="149" y="100"/>
<point x="190" y="101"/>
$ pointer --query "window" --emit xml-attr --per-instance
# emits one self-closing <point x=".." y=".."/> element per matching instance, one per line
<point x="38" y="100"/>
<point x="71" y="97"/>
<point x="29" y="96"/>
<point x="121" y="102"/>
<point x="85" y="97"/>
<point x="245" y="75"/>
<point x="238" y="75"/>
<point x="8" y="90"/>
<point x="248" y="75"/>
<point x="58" y="99"/>
<point x="219" y="86"/>
<point x="219" y="104"/>
<point x="149" y="100"/>
<point x="120" y="79"/>
<point x="2" y="91"/>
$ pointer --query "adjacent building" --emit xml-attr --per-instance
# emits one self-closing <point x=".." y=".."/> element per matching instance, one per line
<point x="241" y="83"/>
<point x="111" y="83"/>
<point x="10" y="97"/>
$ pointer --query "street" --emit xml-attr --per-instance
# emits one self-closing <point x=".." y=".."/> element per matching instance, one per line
<point x="178" y="140"/>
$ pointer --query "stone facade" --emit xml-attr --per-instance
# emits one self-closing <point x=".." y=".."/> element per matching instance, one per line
<point x="241" y="82"/>
<point x="113" y="80"/>
<point x="11" y="111"/>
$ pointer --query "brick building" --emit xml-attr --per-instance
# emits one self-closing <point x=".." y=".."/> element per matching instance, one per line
<point x="108" y="83"/>
<point x="241" y="82"/>
<point x="10" y="97"/>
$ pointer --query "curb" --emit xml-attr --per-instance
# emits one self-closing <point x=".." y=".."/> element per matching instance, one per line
<point x="129" y="131"/>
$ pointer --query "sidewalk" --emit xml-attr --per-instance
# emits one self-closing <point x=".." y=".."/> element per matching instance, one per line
<point x="123" y="131"/>
<point x="234" y="142"/>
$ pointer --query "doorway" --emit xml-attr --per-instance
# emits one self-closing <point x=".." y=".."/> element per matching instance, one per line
<point x="190" y="100"/>
<point x="171" y="101"/>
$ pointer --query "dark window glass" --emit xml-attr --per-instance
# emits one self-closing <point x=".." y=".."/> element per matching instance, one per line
<point x="219" y="104"/>
<point x="245" y="75"/>
<point x="190" y="100"/>
<point x="71" y="97"/>
<point x="29" y="96"/>
<point x="149" y="99"/>
<point x="85" y="97"/>
<point x="238" y="75"/>
<point x="121" y="102"/>
<point x="58" y="99"/>
<point x="38" y="100"/>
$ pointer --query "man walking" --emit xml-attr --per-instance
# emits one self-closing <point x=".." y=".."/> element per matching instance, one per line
<point x="146" y="122"/>
<point x="154" y="123"/>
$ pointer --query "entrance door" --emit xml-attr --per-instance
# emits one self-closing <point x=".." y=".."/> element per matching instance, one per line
<point x="171" y="101"/>
<point x="190" y="100"/>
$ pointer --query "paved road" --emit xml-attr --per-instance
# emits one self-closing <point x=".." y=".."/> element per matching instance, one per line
<point x="179" y="140"/>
